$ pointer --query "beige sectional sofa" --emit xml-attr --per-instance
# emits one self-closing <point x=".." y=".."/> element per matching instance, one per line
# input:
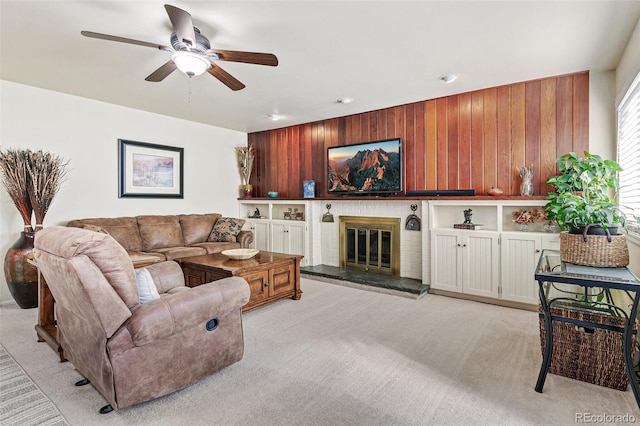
<point x="171" y="237"/>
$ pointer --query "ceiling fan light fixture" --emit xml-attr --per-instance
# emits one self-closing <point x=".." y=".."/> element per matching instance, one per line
<point x="190" y="63"/>
<point x="274" y="117"/>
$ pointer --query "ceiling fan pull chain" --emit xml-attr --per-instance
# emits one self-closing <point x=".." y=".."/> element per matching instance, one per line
<point x="189" y="90"/>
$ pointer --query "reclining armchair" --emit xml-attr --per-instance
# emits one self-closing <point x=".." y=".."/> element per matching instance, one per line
<point x="130" y="351"/>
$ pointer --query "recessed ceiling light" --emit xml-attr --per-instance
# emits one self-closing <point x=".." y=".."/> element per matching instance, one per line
<point x="345" y="100"/>
<point x="274" y="117"/>
<point x="450" y="78"/>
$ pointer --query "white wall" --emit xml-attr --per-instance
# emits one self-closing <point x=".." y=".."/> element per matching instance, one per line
<point x="602" y="123"/>
<point x="86" y="132"/>
<point x="629" y="64"/>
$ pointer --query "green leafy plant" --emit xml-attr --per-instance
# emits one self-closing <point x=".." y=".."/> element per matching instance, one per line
<point x="582" y="190"/>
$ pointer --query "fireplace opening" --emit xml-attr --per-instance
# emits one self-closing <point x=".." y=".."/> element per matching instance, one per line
<point x="370" y="244"/>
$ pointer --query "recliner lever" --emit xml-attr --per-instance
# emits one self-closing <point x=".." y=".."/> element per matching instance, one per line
<point x="212" y="324"/>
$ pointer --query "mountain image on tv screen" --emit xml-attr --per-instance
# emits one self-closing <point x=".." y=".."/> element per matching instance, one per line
<point x="371" y="167"/>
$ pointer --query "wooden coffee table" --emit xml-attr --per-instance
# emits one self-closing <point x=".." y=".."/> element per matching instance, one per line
<point x="271" y="276"/>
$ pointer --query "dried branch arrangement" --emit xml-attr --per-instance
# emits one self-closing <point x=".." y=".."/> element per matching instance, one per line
<point x="244" y="157"/>
<point x="32" y="179"/>
<point x="529" y="216"/>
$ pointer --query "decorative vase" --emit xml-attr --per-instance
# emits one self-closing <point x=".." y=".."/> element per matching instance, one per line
<point x="526" y="174"/>
<point x="21" y="276"/>
<point x="524" y="227"/>
<point x="550" y="226"/>
<point x="526" y="187"/>
<point x="246" y="190"/>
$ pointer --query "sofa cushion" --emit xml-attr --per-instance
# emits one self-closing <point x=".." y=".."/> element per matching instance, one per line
<point x="147" y="289"/>
<point x="217" y="247"/>
<point x="123" y="229"/>
<point x="226" y="229"/>
<point x="160" y="232"/>
<point x="172" y="253"/>
<point x="197" y="227"/>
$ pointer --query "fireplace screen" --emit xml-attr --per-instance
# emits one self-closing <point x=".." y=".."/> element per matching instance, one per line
<point x="370" y="244"/>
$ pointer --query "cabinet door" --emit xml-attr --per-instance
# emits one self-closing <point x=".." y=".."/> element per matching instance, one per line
<point x="258" y="285"/>
<point x="480" y="263"/>
<point x="446" y="270"/>
<point x="520" y="254"/>
<point x="295" y="238"/>
<point x="193" y="277"/>
<point x="260" y="230"/>
<point x="278" y="237"/>
<point x="281" y="279"/>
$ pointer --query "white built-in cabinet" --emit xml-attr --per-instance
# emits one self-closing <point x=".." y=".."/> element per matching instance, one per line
<point x="260" y="229"/>
<point x="288" y="237"/>
<point x="467" y="261"/>
<point x="497" y="261"/>
<point x="282" y="225"/>
<point x="521" y="251"/>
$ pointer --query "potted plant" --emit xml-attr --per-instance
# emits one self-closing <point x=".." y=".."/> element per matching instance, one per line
<point x="582" y="194"/>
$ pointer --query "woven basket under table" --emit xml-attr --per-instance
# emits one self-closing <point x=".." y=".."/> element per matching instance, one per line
<point x="596" y="251"/>
<point x="592" y="355"/>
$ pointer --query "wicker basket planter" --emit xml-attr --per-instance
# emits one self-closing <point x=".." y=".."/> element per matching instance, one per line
<point x="592" y="355"/>
<point x="603" y="251"/>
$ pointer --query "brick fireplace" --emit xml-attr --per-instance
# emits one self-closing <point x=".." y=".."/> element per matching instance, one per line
<point x="370" y="244"/>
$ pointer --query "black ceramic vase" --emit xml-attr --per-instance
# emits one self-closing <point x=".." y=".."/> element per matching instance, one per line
<point x="21" y="276"/>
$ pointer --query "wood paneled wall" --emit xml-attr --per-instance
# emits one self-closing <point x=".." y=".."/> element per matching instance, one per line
<point x="469" y="140"/>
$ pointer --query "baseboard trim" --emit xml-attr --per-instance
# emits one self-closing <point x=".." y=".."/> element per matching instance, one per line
<point x="489" y="300"/>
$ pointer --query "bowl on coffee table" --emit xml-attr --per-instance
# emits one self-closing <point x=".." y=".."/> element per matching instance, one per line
<point x="240" y="254"/>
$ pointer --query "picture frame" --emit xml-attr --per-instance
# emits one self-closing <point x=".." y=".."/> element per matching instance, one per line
<point x="147" y="170"/>
<point x="308" y="189"/>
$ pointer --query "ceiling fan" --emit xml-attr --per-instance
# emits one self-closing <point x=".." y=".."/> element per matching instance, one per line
<point x="192" y="52"/>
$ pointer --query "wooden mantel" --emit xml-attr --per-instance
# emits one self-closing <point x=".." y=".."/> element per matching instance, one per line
<point x="399" y="198"/>
<point x="468" y="140"/>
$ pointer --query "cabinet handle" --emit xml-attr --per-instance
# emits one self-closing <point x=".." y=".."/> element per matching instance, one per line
<point x="266" y="284"/>
<point x="537" y="250"/>
<point x="464" y="245"/>
<point x="459" y="245"/>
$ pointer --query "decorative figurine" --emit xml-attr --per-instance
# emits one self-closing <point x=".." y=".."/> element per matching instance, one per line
<point x="467" y="217"/>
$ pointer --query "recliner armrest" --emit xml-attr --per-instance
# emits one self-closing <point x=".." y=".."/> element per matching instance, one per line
<point x="245" y="238"/>
<point x="176" y="312"/>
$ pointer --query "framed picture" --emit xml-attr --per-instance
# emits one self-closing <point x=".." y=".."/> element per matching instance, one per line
<point x="149" y="171"/>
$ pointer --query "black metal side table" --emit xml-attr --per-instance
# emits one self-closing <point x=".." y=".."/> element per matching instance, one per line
<point x="551" y="270"/>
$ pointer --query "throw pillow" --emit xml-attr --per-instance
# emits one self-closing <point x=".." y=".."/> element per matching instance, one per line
<point x="226" y="229"/>
<point x="147" y="290"/>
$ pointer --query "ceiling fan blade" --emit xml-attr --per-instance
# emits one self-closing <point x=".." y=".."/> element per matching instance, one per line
<point x="122" y="40"/>
<point x="182" y="24"/>
<point x="162" y="72"/>
<point x="227" y="79"/>
<point x="246" y="57"/>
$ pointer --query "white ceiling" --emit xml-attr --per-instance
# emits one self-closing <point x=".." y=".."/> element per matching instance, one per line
<point x="380" y="53"/>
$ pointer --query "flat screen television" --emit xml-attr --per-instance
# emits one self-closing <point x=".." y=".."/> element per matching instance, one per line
<point x="365" y="168"/>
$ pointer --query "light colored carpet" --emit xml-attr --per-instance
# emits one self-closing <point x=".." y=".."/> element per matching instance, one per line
<point x="345" y="356"/>
<point x="22" y="403"/>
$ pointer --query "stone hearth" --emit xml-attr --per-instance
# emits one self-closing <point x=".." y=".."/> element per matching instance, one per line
<point x="408" y="286"/>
